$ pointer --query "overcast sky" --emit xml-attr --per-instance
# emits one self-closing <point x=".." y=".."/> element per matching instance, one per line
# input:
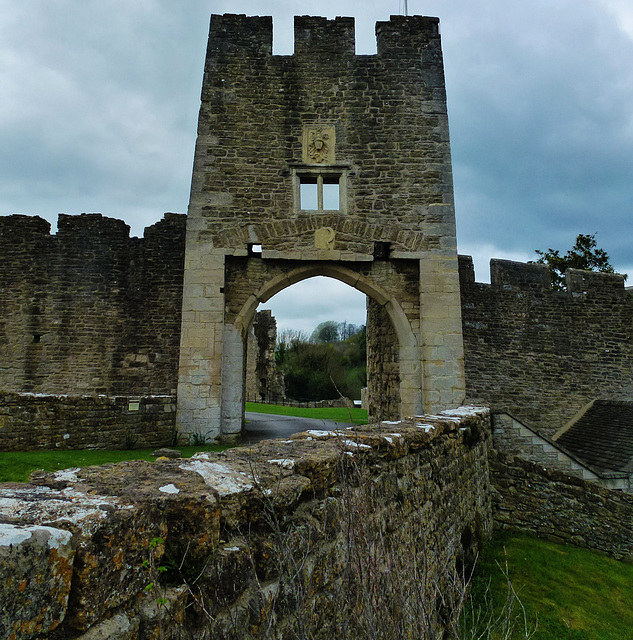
<point x="99" y="102"/>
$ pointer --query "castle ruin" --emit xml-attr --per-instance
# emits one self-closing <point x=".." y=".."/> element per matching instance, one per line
<point x="318" y="163"/>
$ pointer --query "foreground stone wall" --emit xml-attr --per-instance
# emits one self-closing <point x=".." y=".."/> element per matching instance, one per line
<point x="39" y="421"/>
<point x="89" y="309"/>
<point x="539" y="354"/>
<point x="396" y="509"/>
<point x="530" y="498"/>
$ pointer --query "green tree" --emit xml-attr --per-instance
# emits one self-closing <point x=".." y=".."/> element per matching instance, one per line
<point x="585" y="254"/>
<point x="327" y="331"/>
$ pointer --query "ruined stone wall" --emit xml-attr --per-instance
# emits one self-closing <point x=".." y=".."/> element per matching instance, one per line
<point x="383" y="372"/>
<point x="263" y="382"/>
<point x="530" y="498"/>
<point x="539" y="354"/>
<point x="277" y="535"/>
<point x="90" y="310"/>
<point x="39" y="421"/>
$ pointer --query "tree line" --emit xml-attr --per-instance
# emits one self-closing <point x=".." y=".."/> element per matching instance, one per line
<point x="330" y="362"/>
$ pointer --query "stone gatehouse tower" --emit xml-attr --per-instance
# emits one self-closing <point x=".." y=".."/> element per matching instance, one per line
<point x="322" y="163"/>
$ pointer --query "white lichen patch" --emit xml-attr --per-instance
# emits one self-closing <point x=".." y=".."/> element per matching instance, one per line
<point x="231" y="548"/>
<point x="355" y="445"/>
<point x="466" y="411"/>
<point x="169" y="488"/>
<point x="441" y="417"/>
<point x="58" y="537"/>
<point x="43" y="505"/>
<point x="391" y="422"/>
<point x="14" y="535"/>
<point x="67" y="475"/>
<point x="224" y="480"/>
<point x="425" y="426"/>
<point x="285" y="463"/>
<point x="388" y="439"/>
<point x="320" y="434"/>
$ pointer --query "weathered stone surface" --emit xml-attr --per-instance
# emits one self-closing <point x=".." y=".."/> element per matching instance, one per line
<point x="119" y="627"/>
<point x="530" y="498"/>
<point x="264" y="383"/>
<point x="36" y="567"/>
<point x="230" y="523"/>
<point x="115" y="512"/>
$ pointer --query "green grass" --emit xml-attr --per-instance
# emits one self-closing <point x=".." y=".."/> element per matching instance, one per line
<point x="340" y="414"/>
<point x="17" y="466"/>
<point x="567" y="592"/>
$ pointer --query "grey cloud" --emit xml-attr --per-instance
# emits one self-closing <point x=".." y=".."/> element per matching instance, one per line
<point x="539" y="106"/>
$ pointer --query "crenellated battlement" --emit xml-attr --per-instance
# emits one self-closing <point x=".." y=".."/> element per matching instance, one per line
<point x="509" y="275"/>
<point x="22" y="226"/>
<point x="245" y="36"/>
<point x="580" y="282"/>
<point x="316" y="36"/>
<point x="406" y="35"/>
<point x="93" y="225"/>
<point x="240" y="35"/>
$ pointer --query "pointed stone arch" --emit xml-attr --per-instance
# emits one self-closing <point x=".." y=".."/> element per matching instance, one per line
<point x="410" y="392"/>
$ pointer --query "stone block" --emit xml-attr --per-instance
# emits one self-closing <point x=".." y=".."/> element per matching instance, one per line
<point x="36" y="566"/>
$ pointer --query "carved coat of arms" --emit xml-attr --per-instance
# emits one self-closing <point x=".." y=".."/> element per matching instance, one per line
<point x="318" y="145"/>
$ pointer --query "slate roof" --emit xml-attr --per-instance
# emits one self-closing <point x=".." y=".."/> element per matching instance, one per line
<point x="603" y="436"/>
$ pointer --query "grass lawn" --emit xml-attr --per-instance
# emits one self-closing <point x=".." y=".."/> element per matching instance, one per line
<point x="17" y="466"/>
<point x="568" y="593"/>
<point x="340" y="414"/>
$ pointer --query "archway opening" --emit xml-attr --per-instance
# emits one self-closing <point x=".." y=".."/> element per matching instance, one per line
<point x="307" y="344"/>
<point x="321" y="339"/>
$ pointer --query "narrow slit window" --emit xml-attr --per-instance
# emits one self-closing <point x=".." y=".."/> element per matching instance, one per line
<point x="331" y="194"/>
<point x="309" y="193"/>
